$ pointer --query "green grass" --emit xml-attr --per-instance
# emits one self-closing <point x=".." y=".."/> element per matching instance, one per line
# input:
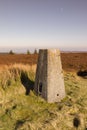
<point x="30" y="112"/>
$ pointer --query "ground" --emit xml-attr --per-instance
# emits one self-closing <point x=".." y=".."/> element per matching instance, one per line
<point x="21" y="109"/>
<point x="70" y="61"/>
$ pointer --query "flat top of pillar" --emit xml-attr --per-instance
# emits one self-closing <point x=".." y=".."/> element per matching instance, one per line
<point x="50" y="50"/>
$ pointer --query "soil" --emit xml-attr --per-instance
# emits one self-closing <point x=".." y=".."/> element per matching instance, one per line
<point x="70" y="61"/>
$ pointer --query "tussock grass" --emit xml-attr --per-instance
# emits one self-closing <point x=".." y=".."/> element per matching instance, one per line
<point x="12" y="73"/>
<point x="19" y="111"/>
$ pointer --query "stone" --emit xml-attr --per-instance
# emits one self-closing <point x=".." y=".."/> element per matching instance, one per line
<point x="49" y="81"/>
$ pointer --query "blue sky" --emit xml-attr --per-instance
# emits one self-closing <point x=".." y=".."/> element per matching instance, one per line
<point x="43" y="23"/>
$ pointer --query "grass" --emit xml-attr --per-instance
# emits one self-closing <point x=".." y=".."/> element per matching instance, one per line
<point x="19" y="111"/>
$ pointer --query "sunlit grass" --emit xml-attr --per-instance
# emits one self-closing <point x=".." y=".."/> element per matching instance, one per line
<point x="19" y="111"/>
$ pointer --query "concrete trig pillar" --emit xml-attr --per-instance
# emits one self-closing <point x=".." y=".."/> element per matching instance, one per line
<point x="49" y="81"/>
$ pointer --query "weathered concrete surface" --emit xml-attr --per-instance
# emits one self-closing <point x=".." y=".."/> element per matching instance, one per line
<point x="49" y="81"/>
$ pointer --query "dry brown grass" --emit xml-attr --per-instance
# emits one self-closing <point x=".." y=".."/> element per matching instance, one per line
<point x="8" y="59"/>
<point x="74" y="61"/>
<point x="20" y="66"/>
<point x="10" y="73"/>
<point x="70" y="61"/>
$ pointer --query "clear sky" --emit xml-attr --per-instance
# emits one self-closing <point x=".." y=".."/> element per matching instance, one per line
<point x="43" y="23"/>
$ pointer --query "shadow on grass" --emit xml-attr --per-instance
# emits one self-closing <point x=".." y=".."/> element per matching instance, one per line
<point x="19" y="123"/>
<point x="27" y="83"/>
